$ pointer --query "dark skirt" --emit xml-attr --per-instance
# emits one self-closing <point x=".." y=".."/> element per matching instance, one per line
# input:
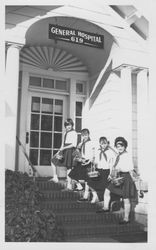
<point x="80" y="172"/>
<point x="127" y="189"/>
<point x="100" y="183"/>
<point x="67" y="160"/>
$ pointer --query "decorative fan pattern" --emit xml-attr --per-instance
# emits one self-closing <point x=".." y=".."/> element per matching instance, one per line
<point x="51" y="58"/>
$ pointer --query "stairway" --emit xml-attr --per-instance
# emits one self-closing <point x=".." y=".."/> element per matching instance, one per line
<point x="79" y="219"/>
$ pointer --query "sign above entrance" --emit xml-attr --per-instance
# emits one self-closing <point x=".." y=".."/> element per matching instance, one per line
<point x="76" y="36"/>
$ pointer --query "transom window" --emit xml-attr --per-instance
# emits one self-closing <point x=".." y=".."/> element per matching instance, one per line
<point x="48" y="83"/>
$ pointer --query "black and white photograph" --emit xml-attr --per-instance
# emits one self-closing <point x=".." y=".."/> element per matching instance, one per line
<point x="77" y="123"/>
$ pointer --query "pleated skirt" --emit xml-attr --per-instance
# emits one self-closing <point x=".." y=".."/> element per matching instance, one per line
<point x="80" y="172"/>
<point x="127" y="189"/>
<point x="67" y="160"/>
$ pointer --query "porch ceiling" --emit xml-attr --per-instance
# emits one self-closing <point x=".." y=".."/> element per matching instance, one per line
<point x="20" y="13"/>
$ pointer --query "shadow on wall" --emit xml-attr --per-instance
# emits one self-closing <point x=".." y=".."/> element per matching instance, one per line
<point x="100" y="85"/>
<point x="13" y="11"/>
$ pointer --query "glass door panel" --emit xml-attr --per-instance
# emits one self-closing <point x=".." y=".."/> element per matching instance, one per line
<point x="46" y="128"/>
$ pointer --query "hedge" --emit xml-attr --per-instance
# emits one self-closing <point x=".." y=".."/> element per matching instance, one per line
<point x="25" y="219"/>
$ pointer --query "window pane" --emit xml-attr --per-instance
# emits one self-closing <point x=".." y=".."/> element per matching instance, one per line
<point x="47" y="105"/>
<point x="48" y="83"/>
<point x="78" y="126"/>
<point x="78" y="108"/>
<point x="35" y="122"/>
<point x="61" y="85"/>
<point x="46" y="122"/>
<point x="58" y="123"/>
<point x="34" y="156"/>
<point x="45" y="157"/>
<point x="58" y="107"/>
<point x="35" y="81"/>
<point x="34" y="139"/>
<point x="54" y="152"/>
<point x="57" y="140"/>
<point x="79" y="88"/>
<point x="46" y="140"/>
<point x="35" y="106"/>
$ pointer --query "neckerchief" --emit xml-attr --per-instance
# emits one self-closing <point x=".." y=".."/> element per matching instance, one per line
<point x="118" y="158"/>
<point x="83" y="145"/>
<point x="102" y="152"/>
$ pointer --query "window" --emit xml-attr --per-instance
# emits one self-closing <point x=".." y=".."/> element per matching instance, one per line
<point x="78" y="119"/>
<point x="61" y="85"/>
<point x="48" y="83"/>
<point x="46" y="126"/>
<point x="80" y="88"/>
<point x="35" y="81"/>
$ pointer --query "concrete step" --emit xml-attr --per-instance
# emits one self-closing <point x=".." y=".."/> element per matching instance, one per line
<point x="68" y="205"/>
<point x="130" y="237"/>
<point x="79" y="219"/>
<point x="50" y="185"/>
<point x="60" y="195"/>
<point x="88" y="217"/>
<point x="88" y="230"/>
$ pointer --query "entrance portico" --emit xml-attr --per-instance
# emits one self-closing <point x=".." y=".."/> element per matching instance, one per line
<point x="98" y="80"/>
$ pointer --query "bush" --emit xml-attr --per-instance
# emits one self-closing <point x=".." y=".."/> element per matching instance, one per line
<point x="25" y="220"/>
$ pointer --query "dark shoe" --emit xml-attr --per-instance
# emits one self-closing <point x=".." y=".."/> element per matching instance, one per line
<point x="124" y="222"/>
<point x="82" y="199"/>
<point x="102" y="211"/>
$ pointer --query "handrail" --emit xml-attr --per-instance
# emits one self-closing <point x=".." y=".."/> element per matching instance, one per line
<point x="27" y="157"/>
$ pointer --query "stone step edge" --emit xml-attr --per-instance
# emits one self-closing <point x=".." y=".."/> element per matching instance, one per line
<point x="102" y="225"/>
<point x="106" y="230"/>
<point x="98" y="221"/>
<point x="90" y="215"/>
<point x="100" y="236"/>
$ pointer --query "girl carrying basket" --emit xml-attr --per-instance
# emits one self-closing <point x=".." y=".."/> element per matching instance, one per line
<point x="64" y="156"/>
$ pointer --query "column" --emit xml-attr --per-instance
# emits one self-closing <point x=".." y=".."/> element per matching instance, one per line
<point x="22" y="162"/>
<point x="72" y="99"/>
<point x="143" y="125"/>
<point x="11" y="90"/>
<point x="125" y="104"/>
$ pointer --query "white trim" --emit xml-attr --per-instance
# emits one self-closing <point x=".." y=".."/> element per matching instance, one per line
<point x="75" y="75"/>
<point x="48" y="91"/>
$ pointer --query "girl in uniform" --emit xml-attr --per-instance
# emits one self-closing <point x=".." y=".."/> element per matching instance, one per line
<point x="104" y="160"/>
<point x="126" y="189"/>
<point x="64" y="156"/>
<point x="83" y="163"/>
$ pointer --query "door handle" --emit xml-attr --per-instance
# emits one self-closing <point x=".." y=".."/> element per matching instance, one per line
<point x="27" y="137"/>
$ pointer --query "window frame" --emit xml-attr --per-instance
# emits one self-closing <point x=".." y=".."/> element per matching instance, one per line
<point x="55" y="79"/>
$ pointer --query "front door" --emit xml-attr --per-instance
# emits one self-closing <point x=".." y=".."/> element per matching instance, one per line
<point x="45" y="126"/>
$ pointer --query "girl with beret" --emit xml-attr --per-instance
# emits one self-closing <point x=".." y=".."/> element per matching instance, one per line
<point x="126" y="189"/>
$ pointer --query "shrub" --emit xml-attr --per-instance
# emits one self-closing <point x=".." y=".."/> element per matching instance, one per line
<point x="25" y="220"/>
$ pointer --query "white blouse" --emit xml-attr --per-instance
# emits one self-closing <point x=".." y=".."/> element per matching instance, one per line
<point x="71" y="138"/>
<point x="88" y="155"/>
<point x="103" y="163"/>
<point x="125" y="163"/>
